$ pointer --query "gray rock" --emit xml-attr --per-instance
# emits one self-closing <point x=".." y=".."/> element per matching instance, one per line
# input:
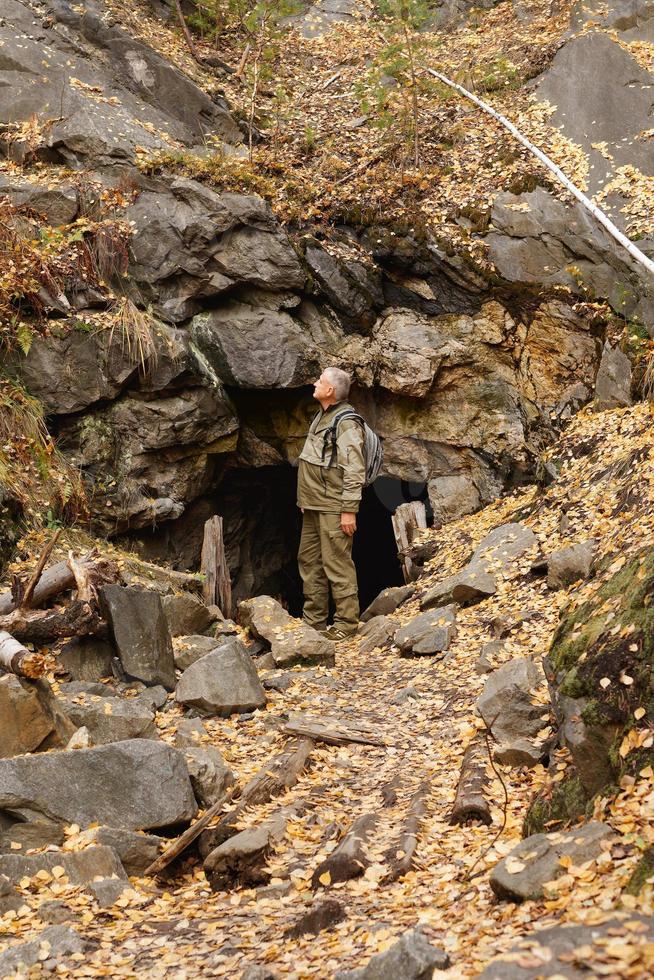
<point x="471" y="585"/>
<point x="210" y="776"/>
<point x="139" y="784"/>
<point x="378" y="632"/>
<point x="141" y="635"/>
<point x="483" y="665"/>
<point x="406" y="694"/>
<point x="24" y="720"/>
<point x="281" y="681"/>
<point x="190" y="732"/>
<point x="520" y="752"/>
<point x="613" y="381"/>
<point x="30" y="835"/>
<point x="10" y="898"/>
<point x="107" y="891"/>
<point x="552" y="952"/>
<point x="57" y="941"/>
<point x="56" y="912"/>
<point x="266" y="340"/>
<point x="291" y="641"/>
<point x="568" y="565"/>
<point x="411" y="958"/>
<point x="505" y="703"/>
<point x="87" y="658"/>
<point x="322" y="15"/>
<point x="186" y="614"/>
<point x="499" y="550"/>
<point x="58" y="205"/>
<point x="388" y="601"/>
<point x="223" y="682"/>
<point x="540" y="854"/>
<point x="136" y="851"/>
<point x="429" y="633"/>
<point x="148" y="94"/>
<point x="188" y="649"/>
<point x="80" y="866"/>
<point x="452" y="497"/>
<point x="154" y="698"/>
<point x="107" y="720"/>
<point x="259" y="973"/>
<point x="352" y="288"/>
<point x="192" y="243"/>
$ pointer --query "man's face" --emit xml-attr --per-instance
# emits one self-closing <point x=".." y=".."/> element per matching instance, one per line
<point x="322" y="389"/>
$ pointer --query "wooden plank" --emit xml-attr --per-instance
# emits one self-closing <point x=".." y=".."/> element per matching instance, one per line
<point x="179" y="845"/>
<point x="217" y="585"/>
<point x="332" y="731"/>
<point x="400" y="857"/>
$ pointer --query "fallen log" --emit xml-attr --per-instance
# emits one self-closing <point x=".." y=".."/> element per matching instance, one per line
<point x="332" y="731"/>
<point x="470" y="802"/>
<point x="33" y="581"/>
<point x="240" y="861"/>
<point x="349" y="860"/>
<point x="54" y="580"/>
<point x="400" y="858"/>
<point x="273" y="779"/>
<point x="41" y="626"/>
<point x="186" y="839"/>
<point x="17" y="660"/>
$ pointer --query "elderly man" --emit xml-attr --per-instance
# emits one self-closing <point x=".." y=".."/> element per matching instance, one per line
<point x="331" y="475"/>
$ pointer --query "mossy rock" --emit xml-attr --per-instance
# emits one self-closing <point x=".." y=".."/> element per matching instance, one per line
<point x="643" y="870"/>
<point x="556" y="810"/>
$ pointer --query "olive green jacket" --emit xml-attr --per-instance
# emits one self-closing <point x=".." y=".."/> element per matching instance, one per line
<point x="332" y="489"/>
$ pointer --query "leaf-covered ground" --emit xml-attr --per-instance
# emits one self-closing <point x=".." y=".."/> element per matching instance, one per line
<point x="179" y="928"/>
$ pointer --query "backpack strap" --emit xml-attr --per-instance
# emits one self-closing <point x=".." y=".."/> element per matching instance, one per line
<point x="332" y="432"/>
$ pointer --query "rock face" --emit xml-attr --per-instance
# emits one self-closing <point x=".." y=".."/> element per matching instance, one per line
<point x="138" y="785"/>
<point x="147" y="93"/>
<point x="537" y="860"/>
<point x="24" y="721"/>
<point x="199" y="244"/>
<point x="291" y="641"/>
<point x="222" y="682"/>
<point x="430" y="633"/>
<point x="412" y="958"/>
<point x="140" y="633"/>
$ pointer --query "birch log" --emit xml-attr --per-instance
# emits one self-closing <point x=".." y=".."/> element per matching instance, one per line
<point x="17" y="660"/>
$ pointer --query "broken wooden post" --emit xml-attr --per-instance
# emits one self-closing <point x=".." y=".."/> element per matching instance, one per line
<point x="349" y="860"/>
<point x="180" y="844"/>
<point x="400" y="857"/>
<point x="17" y="660"/>
<point x="217" y="585"/>
<point x="241" y="860"/>
<point x="406" y="520"/>
<point x="470" y="802"/>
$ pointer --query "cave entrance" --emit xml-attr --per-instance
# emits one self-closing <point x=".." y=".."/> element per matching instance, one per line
<point x="262" y="534"/>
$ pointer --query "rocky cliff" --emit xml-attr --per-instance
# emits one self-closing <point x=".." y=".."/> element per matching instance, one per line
<point x="175" y="320"/>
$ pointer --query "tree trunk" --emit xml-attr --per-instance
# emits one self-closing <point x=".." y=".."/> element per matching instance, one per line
<point x="17" y="660"/>
<point x="406" y="519"/>
<point x="400" y="857"/>
<point x="217" y="586"/>
<point x="470" y="802"/>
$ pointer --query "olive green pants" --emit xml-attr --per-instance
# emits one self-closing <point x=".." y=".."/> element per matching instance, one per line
<point x="325" y="561"/>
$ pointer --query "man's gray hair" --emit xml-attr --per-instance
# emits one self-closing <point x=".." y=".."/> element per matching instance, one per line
<point x="340" y="381"/>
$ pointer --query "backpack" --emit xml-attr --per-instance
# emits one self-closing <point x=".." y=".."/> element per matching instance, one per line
<point x="373" y="454"/>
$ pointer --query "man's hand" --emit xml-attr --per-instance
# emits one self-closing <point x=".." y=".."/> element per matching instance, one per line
<point x="348" y="524"/>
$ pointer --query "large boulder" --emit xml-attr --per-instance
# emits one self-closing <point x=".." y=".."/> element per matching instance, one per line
<point x="210" y="775"/>
<point x="412" y="958"/>
<point x="222" y="682"/>
<point x="192" y="243"/>
<point x="107" y="94"/>
<point x="429" y="633"/>
<point x="141" y="634"/>
<point x="138" y="784"/>
<point x="24" y="720"/>
<point x="186" y="614"/>
<point x="500" y="549"/>
<point x="291" y="641"/>
<point x="188" y="649"/>
<point x="507" y="703"/>
<point x="87" y="658"/>
<point x="537" y="860"/>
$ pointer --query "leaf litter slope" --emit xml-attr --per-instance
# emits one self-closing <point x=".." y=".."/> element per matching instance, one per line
<point x="180" y="929"/>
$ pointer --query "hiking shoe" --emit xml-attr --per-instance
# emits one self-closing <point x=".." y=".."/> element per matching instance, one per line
<point x="337" y="633"/>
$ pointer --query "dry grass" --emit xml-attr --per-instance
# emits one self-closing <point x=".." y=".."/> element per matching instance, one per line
<point x="136" y="331"/>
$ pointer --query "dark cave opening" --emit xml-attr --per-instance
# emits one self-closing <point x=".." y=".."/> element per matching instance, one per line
<point x="262" y="533"/>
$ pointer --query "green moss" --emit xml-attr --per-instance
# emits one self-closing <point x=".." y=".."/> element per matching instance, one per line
<point x="643" y="870"/>
<point x="565" y="805"/>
